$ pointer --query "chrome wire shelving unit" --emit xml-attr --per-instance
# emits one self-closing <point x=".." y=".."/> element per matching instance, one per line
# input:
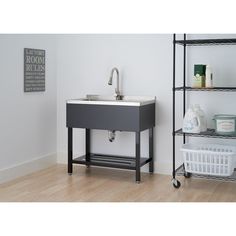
<point x="210" y="133"/>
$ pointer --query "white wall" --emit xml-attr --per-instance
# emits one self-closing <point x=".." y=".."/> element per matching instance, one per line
<point x="144" y="61"/>
<point x="28" y="120"/>
<point x="77" y="65"/>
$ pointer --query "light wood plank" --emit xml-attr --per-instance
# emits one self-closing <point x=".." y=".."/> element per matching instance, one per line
<point x="111" y="185"/>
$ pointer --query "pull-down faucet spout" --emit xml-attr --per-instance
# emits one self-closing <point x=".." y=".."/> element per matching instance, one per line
<point x="117" y="90"/>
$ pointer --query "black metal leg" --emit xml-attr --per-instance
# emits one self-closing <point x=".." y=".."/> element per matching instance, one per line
<point x="137" y="154"/>
<point x="87" y="145"/>
<point x="70" y="150"/>
<point x="151" y="163"/>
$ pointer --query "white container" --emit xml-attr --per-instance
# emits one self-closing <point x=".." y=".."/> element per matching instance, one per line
<point x="209" y="159"/>
<point x="202" y="117"/>
<point x="209" y="77"/>
<point x="191" y="122"/>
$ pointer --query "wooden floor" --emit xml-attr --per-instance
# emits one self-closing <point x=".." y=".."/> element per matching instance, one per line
<point x="111" y="185"/>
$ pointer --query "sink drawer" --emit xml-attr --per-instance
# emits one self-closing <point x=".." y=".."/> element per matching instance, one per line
<point x="108" y="117"/>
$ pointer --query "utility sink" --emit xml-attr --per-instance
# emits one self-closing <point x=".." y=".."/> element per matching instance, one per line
<point x="131" y="113"/>
<point x="111" y="100"/>
<point x="112" y="113"/>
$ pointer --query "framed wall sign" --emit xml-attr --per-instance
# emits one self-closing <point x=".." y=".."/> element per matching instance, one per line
<point x="34" y="70"/>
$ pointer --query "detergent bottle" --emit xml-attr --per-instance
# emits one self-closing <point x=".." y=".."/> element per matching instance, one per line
<point x="191" y="122"/>
<point x="202" y="117"/>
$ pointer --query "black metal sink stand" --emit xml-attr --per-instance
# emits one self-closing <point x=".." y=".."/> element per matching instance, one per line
<point x="121" y="162"/>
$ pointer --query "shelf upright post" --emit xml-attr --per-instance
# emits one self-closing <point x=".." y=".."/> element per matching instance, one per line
<point x="173" y="106"/>
<point x="184" y="82"/>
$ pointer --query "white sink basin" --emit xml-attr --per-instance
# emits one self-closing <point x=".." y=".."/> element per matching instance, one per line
<point x="111" y="100"/>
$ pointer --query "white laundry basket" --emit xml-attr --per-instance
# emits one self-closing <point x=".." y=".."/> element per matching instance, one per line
<point x="209" y="159"/>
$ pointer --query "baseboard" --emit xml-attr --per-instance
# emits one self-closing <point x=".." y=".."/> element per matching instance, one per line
<point x="28" y="167"/>
<point x="61" y="158"/>
<point x="164" y="168"/>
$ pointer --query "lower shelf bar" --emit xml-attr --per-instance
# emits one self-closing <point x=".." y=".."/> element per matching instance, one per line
<point x="121" y="162"/>
<point x="180" y="172"/>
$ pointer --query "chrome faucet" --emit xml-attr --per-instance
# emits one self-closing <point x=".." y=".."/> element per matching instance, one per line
<point x="117" y="90"/>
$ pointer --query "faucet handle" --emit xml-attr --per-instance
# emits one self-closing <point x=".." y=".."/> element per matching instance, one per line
<point x="118" y="96"/>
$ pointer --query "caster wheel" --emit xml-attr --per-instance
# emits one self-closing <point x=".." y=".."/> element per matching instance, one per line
<point x="187" y="175"/>
<point x="176" y="183"/>
<point x="69" y="174"/>
<point x="137" y="182"/>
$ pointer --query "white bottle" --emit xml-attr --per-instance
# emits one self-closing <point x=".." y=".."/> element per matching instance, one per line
<point x="209" y="79"/>
<point x="191" y="122"/>
<point x="202" y="117"/>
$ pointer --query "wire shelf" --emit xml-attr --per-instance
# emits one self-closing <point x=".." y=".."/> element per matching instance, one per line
<point x="181" y="172"/>
<point x="214" y="89"/>
<point x="210" y="133"/>
<point x="206" y="42"/>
